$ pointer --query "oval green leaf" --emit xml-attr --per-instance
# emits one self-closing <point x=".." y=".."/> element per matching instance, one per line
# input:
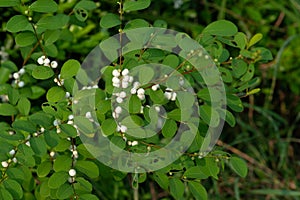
<point x="221" y="28"/>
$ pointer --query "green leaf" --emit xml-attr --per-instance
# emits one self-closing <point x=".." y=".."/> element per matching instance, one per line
<point x="110" y="20"/>
<point x="196" y="172"/>
<point x="44" y="189"/>
<point x="24" y="39"/>
<point x="255" y="39"/>
<point x="7" y="109"/>
<point x="13" y="95"/>
<point x="18" y="23"/>
<point x="55" y="94"/>
<point x="175" y="114"/>
<point x="24" y="125"/>
<point x="70" y="69"/>
<point x="51" y="36"/>
<point x="235" y="103"/>
<point x="57" y="179"/>
<point x="239" y="166"/>
<point x="176" y="188"/>
<point x="146" y="74"/>
<point x="198" y="191"/>
<point x="241" y="40"/>
<point x="16" y="174"/>
<point x="42" y="119"/>
<point x="62" y="163"/>
<point x="65" y="191"/>
<point x="230" y="119"/>
<point x="88" y="197"/>
<point x="86" y="4"/>
<point x="69" y="130"/>
<point x="14" y="188"/>
<point x="53" y="22"/>
<point x="9" y="3"/>
<point x="221" y="28"/>
<point x="135" y="104"/>
<point x="161" y="179"/>
<point x="44" y="168"/>
<point x="42" y="72"/>
<point x="4" y="194"/>
<point x="83" y="185"/>
<point x="210" y="95"/>
<point x="209" y="115"/>
<point x="24" y="106"/>
<point x="239" y="67"/>
<point x="38" y="145"/>
<point x="81" y="14"/>
<point x="171" y="61"/>
<point x="108" y="126"/>
<point x="169" y="129"/>
<point x="136" y="5"/>
<point x="44" y="6"/>
<point x="136" y="23"/>
<point x="88" y="168"/>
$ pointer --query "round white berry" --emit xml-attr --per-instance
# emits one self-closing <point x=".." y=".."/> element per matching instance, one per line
<point x="115" y="80"/>
<point x="16" y="75"/>
<point x="116" y="73"/>
<point x="136" y="85"/>
<point x="122" y="94"/>
<point x="119" y="100"/>
<point x="117" y="85"/>
<point x="125" y="84"/>
<point x="40" y="60"/>
<point x="134" y="143"/>
<point x="54" y="64"/>
<point x="52" y="154"/>
<point x="141" y="96"/>
<point x="4" y="164"/>
<point x="168" y="95"/>
<point x="123" y="128"/>
<point x="15" y="160"/>
<point x="129" y="143"/>
<point x="133" y="91"/>
<point x="88" y="115"/>
<point x="21" y="84"/>
<point x="130" y="79"/>
<point x="140" y="91"/>
<point x="118" y="109"/>
<point x="70" y="117"/>
<point x="12" y="152"/>
<point x="125" y="72"/>
<point x="67" y="94"/>
<point x="22" y="71"/>
<point x="46" y="61"/>
<point x="174" y="95"/>
<point x="56" y="122"/>
<point x="72" y="172"/>
<point x="155" y="87"/>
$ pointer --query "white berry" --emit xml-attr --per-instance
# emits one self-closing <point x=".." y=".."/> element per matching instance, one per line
<point x="53" y="64"/>
<point x="125" y="72"/>
<point x="72" y="172"/>
<point x="4" y="164"/>
<point x="116" y="73"/>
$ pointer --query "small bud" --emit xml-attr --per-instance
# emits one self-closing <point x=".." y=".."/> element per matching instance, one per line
<point x="52" y="154"/>
<point x="12" y="152"/>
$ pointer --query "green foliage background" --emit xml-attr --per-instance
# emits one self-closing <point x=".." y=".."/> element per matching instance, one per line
<point x="266" y="134"/>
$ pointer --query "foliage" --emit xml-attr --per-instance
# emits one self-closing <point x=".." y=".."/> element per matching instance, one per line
<point x="41" y="153"/>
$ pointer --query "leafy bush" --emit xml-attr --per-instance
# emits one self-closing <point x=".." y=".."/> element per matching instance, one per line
<point x="56" y="113"/>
